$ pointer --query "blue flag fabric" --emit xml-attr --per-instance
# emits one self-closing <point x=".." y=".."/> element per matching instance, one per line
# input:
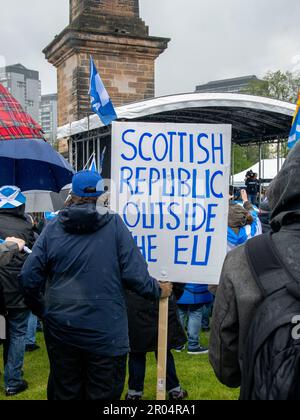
<point x="93" y="166"/>
<point x="295" y="132"/>
<point x="100" y="100"/>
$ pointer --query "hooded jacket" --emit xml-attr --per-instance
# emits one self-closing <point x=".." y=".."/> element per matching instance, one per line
<point x="84" y="260"/>
<point x="238" y="296"/>
<point x="13" y="222"/>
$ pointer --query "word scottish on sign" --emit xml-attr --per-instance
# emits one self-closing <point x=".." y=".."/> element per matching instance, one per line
<point x="170" y="186"/>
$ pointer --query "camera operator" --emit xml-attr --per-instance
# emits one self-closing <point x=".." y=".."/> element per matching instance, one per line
<point x="252" y="187"/>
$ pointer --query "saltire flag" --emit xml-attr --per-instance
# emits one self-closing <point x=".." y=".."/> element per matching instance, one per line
<point x="295" y="131"/>
<point x="100" y="100"/>
<point x="93" y="166"/>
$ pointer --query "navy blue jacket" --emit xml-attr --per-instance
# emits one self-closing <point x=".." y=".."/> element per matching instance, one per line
<point x="76" y="276"/>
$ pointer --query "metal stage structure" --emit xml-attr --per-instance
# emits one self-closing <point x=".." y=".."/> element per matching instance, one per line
<point x="255" y="121"/>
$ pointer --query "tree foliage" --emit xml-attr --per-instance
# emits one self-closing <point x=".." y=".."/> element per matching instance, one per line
<point x="275" y="85"/>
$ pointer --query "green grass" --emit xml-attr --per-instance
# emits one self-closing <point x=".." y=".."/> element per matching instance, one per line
<point x="194" y="372"/>
<point x="36" y="370"/>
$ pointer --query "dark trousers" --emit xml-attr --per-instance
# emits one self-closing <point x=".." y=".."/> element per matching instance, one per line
<point x="76" y="374"/>
<point x="137" y="372"/>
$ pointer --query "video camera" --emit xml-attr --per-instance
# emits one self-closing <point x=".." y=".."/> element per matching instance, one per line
<point x="250" y="174"/>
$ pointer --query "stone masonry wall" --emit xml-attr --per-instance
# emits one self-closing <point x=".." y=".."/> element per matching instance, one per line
<point x="124" y="53"/>
<point x="67" y="90"/>
<point x="127" y="79"/>
<point x="128" y="8"/>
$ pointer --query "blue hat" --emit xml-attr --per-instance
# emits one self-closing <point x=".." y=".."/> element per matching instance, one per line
<point x="11" y="197"/>
<point x="87" y="184"/>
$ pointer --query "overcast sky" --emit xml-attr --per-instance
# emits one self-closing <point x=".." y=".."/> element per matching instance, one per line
<point x="211" y="39"/>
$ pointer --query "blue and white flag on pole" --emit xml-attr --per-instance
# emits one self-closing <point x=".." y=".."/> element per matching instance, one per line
<point x="100" y="100"/>
<point x="295" y="132"/>
<point x="93" y="166"/>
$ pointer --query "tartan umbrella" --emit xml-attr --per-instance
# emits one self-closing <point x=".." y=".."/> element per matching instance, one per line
<point x="26" y="159"/>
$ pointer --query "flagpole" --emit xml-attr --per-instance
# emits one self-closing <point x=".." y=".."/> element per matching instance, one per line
<point x="93" y="155"/>
<point x="88" y="121"/>
<point x="102" y="159"/>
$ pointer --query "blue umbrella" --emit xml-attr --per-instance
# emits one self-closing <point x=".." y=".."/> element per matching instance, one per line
<point x="33" y="165"/>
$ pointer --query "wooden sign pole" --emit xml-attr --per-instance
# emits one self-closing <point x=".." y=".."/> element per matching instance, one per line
<point x="162" y="349"/>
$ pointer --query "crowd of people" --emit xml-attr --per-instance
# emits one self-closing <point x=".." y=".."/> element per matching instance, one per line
<point x="99" y="309"/>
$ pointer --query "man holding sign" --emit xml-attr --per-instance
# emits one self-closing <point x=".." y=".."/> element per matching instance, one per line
<point x="84" y="259"/>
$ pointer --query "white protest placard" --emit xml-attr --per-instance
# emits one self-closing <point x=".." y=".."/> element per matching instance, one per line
<point x="170" y="185"/>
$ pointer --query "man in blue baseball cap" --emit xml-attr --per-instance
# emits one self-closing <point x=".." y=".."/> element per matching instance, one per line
<point x="14" y="223"/>
<point x="84" y="259"/>
<point x="87" y="184"/>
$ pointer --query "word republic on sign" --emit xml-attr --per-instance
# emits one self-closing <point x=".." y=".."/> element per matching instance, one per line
<point x="170" y="186"/>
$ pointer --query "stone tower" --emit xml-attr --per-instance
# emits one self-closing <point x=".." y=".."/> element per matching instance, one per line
<point x="124" y="53"/>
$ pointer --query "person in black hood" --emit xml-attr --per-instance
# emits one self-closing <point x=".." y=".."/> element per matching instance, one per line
<point x="239" y="296"/>
<point x="88" y="257"/>
<point x="13" y="222"/>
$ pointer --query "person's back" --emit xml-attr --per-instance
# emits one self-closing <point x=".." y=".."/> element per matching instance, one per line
<point x="84" y="260"/>
<point x="252" y="188"/>
<point x="143" y="320"/>
<point x="238" y="295"/>
<point x="13" y="222"/>
<point x="8" y="248"/>
<point x="143" y="315"/>
<point x="252" y="185"/>
<point x="84" y="299"/>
